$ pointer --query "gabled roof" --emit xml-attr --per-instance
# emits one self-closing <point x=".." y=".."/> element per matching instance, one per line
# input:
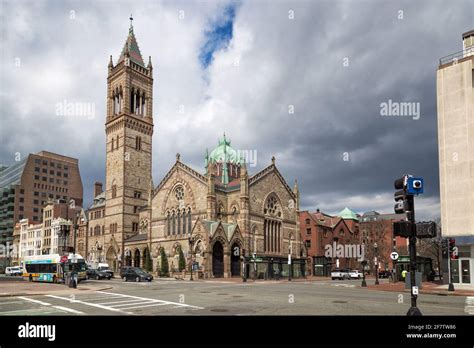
<point x="266" y="171"/>
<point x="211" y="227"/>
<point x="99" y="201"/>
<point x="180" y="165"/>
<point x="137" y="237"/>
<point x="131" y="46"/>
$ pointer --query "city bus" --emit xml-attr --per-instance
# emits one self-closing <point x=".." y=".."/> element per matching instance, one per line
<point x="51" y="268"/>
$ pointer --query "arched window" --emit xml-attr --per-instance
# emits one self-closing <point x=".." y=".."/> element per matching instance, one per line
<point x="308" y="221"/>
<point x="179" y="193"/>
<point x="178" y="215"/>
<point x="114" y="190"/>
<point x="272" y="225"/>
<point x="184" y="221"/>
<point x="174" y="223"/>
<point x="138" y="143"/>
<point x="132" y="101"/>
<point x="189" y="220"/>
<point x="117" y="145"/>
<point x="168" y="224"/>
<point x="113" y="142"/>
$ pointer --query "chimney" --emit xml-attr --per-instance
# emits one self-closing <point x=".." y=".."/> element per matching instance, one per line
<point x="97" y="188"/>
<point x="317" y="210"/>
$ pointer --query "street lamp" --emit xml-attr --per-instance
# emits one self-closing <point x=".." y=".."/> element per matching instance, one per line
<point x="376" y="264"/>
<point x="191" y="243"/>
<point x="289" y="259"/>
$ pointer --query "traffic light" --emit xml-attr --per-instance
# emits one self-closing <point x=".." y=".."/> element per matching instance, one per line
<point x="400" y="196"/>
<point x="445" y="248"/>
<point x="453" y="249"/>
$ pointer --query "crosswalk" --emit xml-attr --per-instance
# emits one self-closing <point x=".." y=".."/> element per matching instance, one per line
<point x="121" y="303"/>
<point x="469" y="307"/>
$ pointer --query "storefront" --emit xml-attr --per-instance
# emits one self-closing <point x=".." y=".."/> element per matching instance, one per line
<point x="462" y="267"/>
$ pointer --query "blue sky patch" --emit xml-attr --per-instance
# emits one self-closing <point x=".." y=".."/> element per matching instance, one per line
<point x="218" y="36"/>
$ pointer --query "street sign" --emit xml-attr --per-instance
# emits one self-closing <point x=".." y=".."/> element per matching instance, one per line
<point x="289" y="259"/>
<point x="64" y="258"/>
<point x="394" y="256"/>
<point x="415" y="290"/>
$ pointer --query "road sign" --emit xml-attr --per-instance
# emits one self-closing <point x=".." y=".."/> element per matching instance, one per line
<point x="394" y="256"/>
<point x="64" y="258"/>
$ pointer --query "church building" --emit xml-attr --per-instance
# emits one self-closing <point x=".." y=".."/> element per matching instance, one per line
<point x="224" y="219"/>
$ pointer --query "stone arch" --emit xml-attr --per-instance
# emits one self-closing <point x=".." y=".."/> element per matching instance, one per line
<point x="111" y="257"/>
<point x="137" y="258"/>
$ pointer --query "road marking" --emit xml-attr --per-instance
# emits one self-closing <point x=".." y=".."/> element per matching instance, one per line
<point x="34" y="301"/>
<point x="469" y="307"/>
<point x="130" y="303"/>
<point x="150" y="299"/>
<point x="6" y="303"/>
<point x="151" y="305"/>
<point x="68" y="310"/>
<point x="108" y="303"/>
<point x="90" y="304"/>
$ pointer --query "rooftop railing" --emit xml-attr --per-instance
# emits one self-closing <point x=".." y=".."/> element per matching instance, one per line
<point x="453" y="58"/>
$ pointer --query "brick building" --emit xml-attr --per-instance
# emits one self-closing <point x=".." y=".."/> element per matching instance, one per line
<point x="29" y="183"/>
<point x="319" y="232"/>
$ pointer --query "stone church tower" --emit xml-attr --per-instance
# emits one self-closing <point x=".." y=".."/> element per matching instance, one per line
<point x="129" y="131"/>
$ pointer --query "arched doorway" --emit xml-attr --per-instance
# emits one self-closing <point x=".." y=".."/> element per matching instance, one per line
<point x="112" y="258"/>
<point x="218" y="260"/>
<point x="235" y="260"/>
<point x="136" y="258"/>
<point x="128" y="258"/>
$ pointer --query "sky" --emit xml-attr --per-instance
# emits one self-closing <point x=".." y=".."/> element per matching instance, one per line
<point x="303" y="81"/>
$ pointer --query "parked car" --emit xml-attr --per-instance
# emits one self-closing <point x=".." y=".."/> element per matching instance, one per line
<point x="93" y="273"/>
<point x="355" y="274"/>
<point x="124" y="269"/>
<point x="13" y="271"/>
<point x="340" y="274"/>
<point x="105" y="268"/>
<point x="136" y="274"/>
<point x="384" y="274"/>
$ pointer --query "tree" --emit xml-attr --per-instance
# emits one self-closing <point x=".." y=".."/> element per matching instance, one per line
<point x="164" y="268"/>
<point x="148" y="261"/>
<point x="181" y="260"/>
<point x="375" y="231"/>
<point x="432" y="247"/>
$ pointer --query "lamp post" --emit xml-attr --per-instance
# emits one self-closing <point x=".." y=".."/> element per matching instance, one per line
<point x="364" y="283"/>
<point x="191" y="243"/>
<point x="376" y="264"/>
<point x="289" y="259"/>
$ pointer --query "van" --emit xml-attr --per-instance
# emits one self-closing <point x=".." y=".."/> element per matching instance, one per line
<point x="13" y="271"/>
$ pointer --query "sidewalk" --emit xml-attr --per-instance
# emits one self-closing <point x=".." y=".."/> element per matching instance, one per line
<point x="25" y="288"/>
<point x="427" y="288"/>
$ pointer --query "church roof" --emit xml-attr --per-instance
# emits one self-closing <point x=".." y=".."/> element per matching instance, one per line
<point x="211" y="227"/>
<point x="131" y="46"/>
<point x="223" y="153"/>
<point x="348" y="214"/>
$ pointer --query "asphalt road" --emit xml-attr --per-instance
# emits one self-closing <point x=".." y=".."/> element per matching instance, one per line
<point x="229" y="298"/>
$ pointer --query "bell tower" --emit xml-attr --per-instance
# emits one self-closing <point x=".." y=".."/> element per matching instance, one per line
<point x="129" y="131"/>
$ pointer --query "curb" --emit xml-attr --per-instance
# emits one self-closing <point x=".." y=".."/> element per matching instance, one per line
<point x="427" y="292"/>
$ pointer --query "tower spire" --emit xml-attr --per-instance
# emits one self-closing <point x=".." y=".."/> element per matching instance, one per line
<point x="131" y="22"/>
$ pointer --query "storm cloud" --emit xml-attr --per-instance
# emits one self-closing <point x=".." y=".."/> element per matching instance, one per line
<point x="302" y="81"/>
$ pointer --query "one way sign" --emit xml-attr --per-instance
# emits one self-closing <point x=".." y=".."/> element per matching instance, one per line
<point x="394" y="255"/>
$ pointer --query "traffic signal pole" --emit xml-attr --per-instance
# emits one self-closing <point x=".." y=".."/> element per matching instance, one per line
<point x="411" y="217"/>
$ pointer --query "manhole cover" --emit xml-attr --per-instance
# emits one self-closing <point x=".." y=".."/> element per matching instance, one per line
<point x="204" y="292"/>
<point x="339" y="301"/>
<point x="222" y="294"/>
<point x="237" y="296"/>
<point x="220" y="310"/>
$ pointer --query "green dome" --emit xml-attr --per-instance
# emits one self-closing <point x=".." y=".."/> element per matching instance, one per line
<point x="223" y="153"/>
<point x="348" y="214"/>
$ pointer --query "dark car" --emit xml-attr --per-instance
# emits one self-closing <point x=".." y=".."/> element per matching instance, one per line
<point x="97" y="274"/>
<point x="124" y="269"/>
<point x="136" y="274"/>
<point x="106" y="270"/>
<point x="384" y="274"/>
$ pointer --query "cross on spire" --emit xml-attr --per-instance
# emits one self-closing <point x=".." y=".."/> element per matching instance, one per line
<point x="131" y="20"/>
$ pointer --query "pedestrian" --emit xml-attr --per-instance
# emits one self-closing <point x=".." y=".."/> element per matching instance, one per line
<point x="404" y="274"/>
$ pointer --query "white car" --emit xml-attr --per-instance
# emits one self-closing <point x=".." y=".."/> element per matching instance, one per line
<point x="355" y="274"/>
<point x="13" y="271"/>
<point x="340" y="274"/>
